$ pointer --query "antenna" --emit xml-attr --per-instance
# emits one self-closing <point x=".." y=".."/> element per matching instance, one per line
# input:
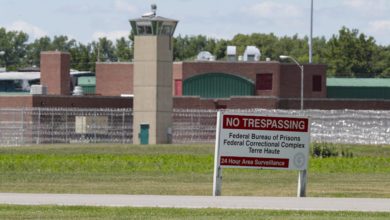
<point x="153" y="13"/>
<point x="154" y="9"/>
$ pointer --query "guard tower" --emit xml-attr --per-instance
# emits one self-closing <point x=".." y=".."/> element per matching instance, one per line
<point x="153" y="55"/>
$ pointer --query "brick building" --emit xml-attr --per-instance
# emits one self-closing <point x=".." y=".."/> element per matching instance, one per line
<point x="268" y="78"/>
<point x="272" y="79"/>
<point x="275" y="85"/>
<point x="55" y="75"/>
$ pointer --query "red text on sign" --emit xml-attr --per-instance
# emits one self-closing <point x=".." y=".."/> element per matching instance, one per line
<point x="265" y="123"/>
<point x="255" y="162"/>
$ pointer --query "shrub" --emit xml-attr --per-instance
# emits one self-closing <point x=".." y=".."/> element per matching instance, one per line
<point x="326" y="150"/>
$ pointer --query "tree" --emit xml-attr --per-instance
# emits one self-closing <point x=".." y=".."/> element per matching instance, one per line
<point x="220" y="49"/>
<point x="123" y="49"/>
<point x="267" y="43"/>
<point x="382" y="61"/>
<point x="81" y="58"/>
<point x="13" y="43"/>
<point x="62" y="43"/>
<point x="185" y="48"/>
<point x="347" y="54"/>
<point x="34" y="50"/>
<point x="240" y="41"/>
<point x="106" y="50"/>
<point x="319" y="48"/>
<point x="350" y="54"/>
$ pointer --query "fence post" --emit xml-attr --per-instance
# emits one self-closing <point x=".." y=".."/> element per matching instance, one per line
<point x="94" y="125"/>
<point x="110" y="126"/>
<point x="199" y="128"/>
<point x="66" y="125"/>
<point x="192" y="125"/>
<point x="22" y="128"/>
<point x="123" y="126"/>
<point x="52" y="127"/>
<point x="39" y="126"/>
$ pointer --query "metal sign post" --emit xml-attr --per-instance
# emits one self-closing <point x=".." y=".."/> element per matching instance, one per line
<point x="217" y="179"/>
<point x="302" y="179"/>
<point x="261" y="142"/>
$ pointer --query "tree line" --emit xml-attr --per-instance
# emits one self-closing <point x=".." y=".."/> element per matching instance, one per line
<point x="19" y="53"/>
<point x="347" y="54"/>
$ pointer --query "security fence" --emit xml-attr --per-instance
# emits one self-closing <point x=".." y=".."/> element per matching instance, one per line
<point x="334" y="126"/>
<point x="70" y="125"/>
<point x="65" y="125"/>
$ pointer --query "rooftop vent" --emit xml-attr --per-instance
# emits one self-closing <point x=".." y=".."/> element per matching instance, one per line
<point x="205" y="56"/>
<point x="231" y="53"/>
<point x="38" y="90"/>
<point x="78" y="91"/>
<point x="151" y="14"/>
<point x="252" y="53"/>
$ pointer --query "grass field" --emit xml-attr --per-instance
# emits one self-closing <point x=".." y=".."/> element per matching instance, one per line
<point x="182" y="170"/>
<point x="77" y="212"/>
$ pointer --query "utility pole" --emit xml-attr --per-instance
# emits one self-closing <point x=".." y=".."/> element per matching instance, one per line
<point x="98" y="55"/>
<point x="311" y="32"/>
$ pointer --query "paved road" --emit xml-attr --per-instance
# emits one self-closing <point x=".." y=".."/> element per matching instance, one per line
<point x="228" y="202"/>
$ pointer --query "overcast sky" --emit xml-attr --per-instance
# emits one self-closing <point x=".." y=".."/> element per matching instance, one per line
<point x="87" y="20"/>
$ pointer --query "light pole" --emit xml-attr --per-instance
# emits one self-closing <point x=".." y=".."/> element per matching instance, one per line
<point x="311" y="33"/>
<point x="302" y="173"/>
<point x="283" y="57"/>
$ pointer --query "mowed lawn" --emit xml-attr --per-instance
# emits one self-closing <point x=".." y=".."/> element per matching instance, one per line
<point x="180" y="170"/>
<point x="80" y="212"/>
<point x="185" y="169"/>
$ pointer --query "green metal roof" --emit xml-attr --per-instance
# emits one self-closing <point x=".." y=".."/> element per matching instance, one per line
<point x="86" y="81"/>
<point x="358" y="82"/>
<point x="218" y="85"/>
<point x="14" y="93"/>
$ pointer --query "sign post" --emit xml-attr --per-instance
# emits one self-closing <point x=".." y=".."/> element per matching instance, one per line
<point x="261" y="142"/>
<point x="217" y="179"/>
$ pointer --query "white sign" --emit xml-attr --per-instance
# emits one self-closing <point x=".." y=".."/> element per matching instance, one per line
<point x="261" y="142"/>
<point x="265" y="142"/>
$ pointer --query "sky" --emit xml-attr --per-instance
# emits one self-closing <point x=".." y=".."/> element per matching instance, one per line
<point x="88" y="20"/>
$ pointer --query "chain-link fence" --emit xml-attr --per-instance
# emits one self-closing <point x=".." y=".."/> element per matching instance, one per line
<point x="70" y="125"/>
<point x="335" y="126"/>
<point x="65" y="125"/>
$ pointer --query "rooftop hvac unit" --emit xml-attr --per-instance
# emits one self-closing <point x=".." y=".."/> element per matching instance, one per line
<point x="252" y="53"/>
<point x="38" y="90"/>
<point x="204" y="56"/>
<point x="231" y="53"/>
<point x="78" y="91"/>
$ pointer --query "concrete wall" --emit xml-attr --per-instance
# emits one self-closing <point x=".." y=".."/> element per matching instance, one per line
<point x="152" y="87"/>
